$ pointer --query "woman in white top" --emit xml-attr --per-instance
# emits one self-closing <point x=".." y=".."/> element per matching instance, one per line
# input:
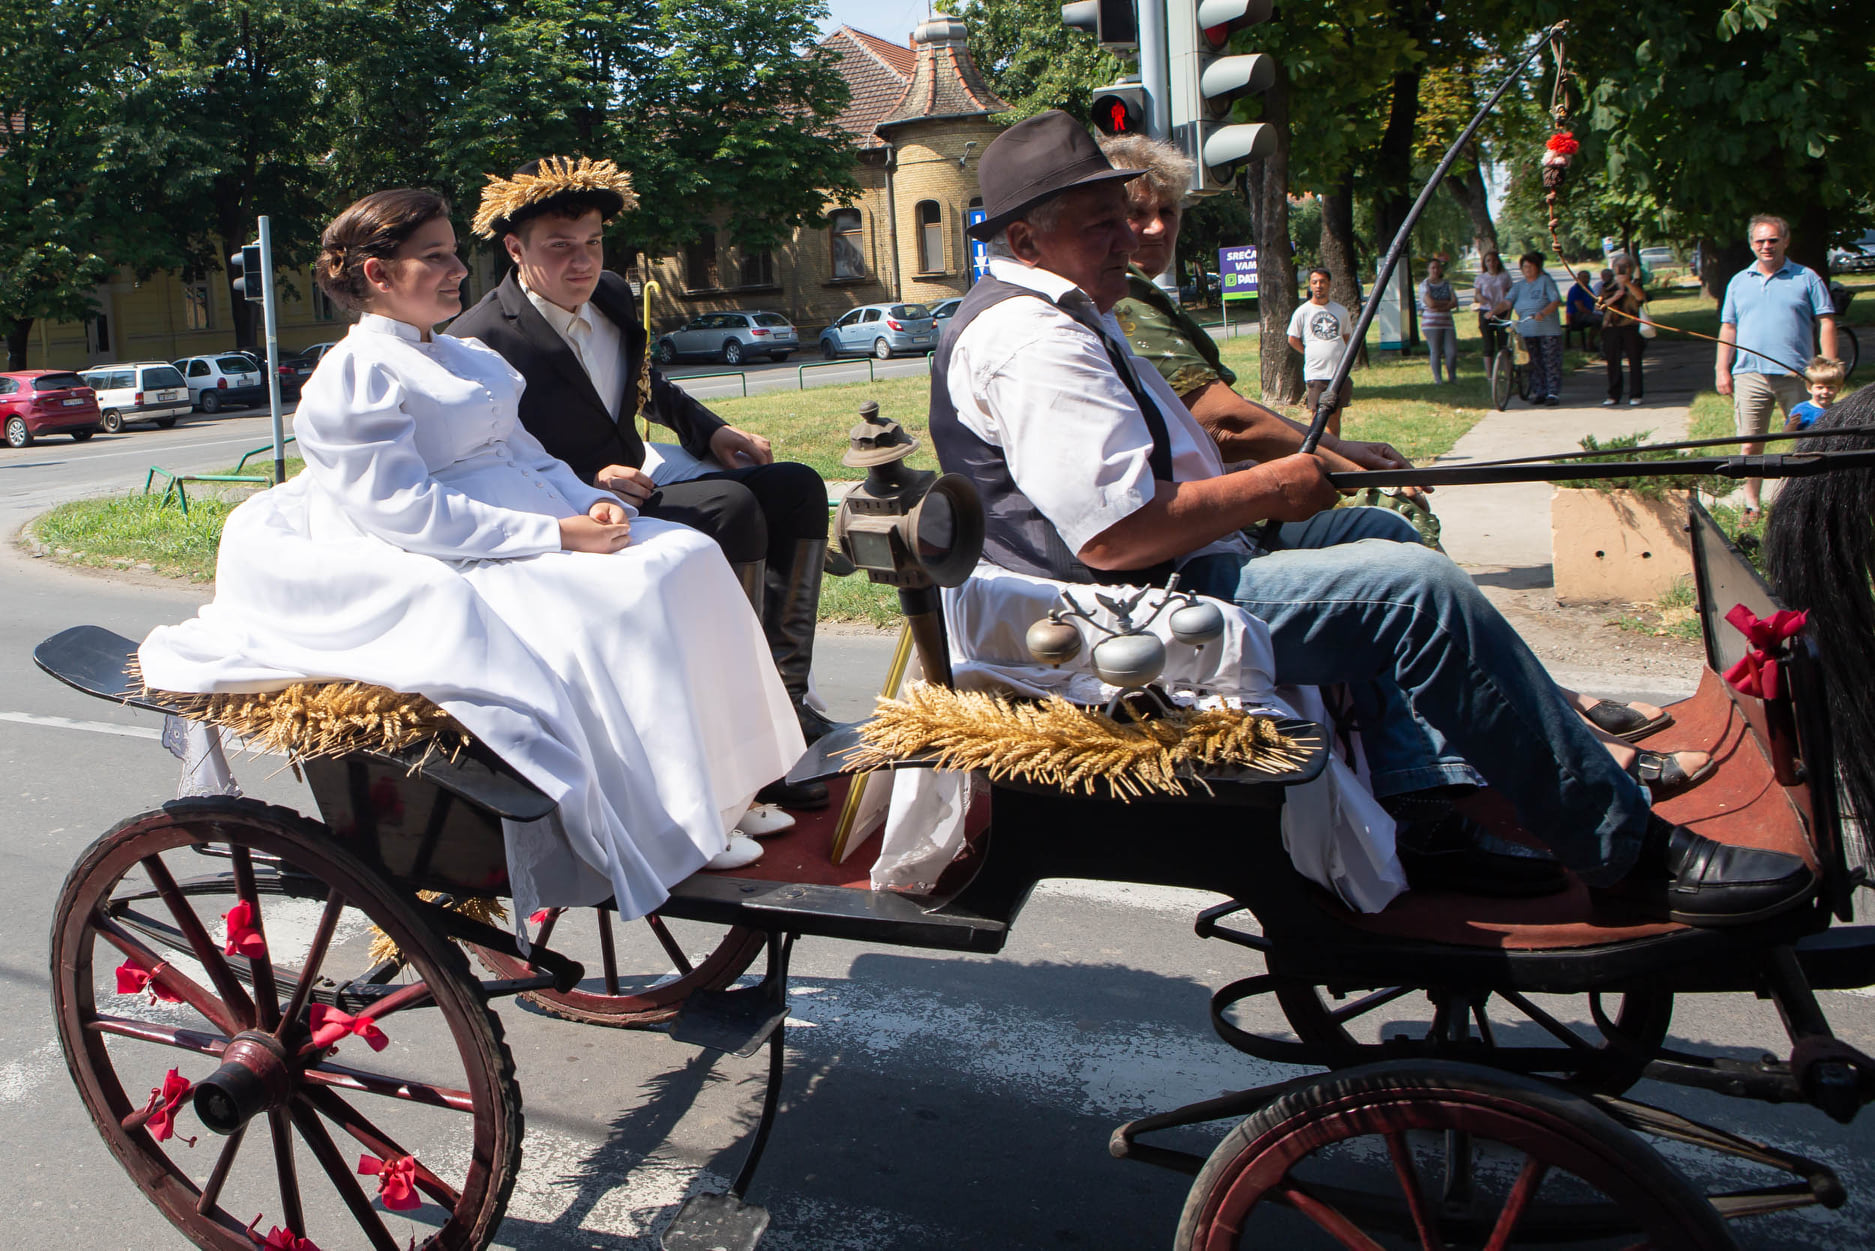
<point x="432" y="545"/>
<point x="1489" y="288"/>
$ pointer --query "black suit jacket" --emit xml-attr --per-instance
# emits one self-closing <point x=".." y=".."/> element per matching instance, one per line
<point x="560" y="406"/>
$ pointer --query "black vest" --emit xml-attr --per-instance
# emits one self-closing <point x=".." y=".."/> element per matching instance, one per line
<point x="1016" y="534"/>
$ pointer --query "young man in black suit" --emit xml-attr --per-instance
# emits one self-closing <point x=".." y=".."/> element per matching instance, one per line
<point x="571" y="328"/>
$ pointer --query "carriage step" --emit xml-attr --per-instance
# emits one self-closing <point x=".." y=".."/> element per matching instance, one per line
<point x="715" y="1223"/>
<point x="737" y="1021"/>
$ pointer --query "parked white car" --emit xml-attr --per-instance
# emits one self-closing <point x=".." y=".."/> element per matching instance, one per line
<point x="145" y="391"/>
<point x="225" y="380"/>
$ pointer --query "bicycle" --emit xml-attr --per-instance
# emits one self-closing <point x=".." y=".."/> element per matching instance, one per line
<point x="1509" y="373"/>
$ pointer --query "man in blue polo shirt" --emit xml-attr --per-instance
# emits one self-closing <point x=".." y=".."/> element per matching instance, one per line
<point x="1773" y="311"/>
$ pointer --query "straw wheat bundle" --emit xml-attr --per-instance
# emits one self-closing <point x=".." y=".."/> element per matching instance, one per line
<point x="475" y="907"/>
<point x="1056" y="743"/>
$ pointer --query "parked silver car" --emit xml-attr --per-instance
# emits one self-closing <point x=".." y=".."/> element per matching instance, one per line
<point x="146" y="391"/>
<point x="881" y="329"/>
<point x="225" y="380"/>
<point x="731" y="338"/>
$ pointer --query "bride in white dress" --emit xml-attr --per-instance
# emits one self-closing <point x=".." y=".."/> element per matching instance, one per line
<point x="432" y="545"/>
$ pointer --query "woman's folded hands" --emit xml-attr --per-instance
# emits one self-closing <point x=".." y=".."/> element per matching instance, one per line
<point x="606" y="527"/>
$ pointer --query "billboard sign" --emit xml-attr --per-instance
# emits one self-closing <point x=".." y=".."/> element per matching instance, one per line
<point x="1237" y="272"/>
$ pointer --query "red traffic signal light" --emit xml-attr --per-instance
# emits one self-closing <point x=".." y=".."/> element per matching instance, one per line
<point x="1120" y="109"/>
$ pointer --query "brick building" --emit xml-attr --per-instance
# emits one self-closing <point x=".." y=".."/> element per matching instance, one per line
<point x="919" y="117"/>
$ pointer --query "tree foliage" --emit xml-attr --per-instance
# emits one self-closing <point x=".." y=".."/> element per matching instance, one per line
<point x="1033" y="60"/>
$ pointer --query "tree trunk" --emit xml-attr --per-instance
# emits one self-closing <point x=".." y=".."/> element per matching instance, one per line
<point x="1809" y="237"/>
<point x="1393" y="158"/>
<point x="1719" y="263"/>
<point x="17" y="331"/>
<point x="1339" y="257"/>
<point x="1276" y="266"/>
<point x="1467" y="187"/>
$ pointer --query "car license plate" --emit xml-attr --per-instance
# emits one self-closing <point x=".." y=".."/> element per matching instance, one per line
<point x="172" y="395"/>
<point x="71" y="403"/>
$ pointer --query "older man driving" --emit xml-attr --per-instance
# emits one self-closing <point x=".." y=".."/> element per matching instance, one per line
<point x="1091" y="470"/>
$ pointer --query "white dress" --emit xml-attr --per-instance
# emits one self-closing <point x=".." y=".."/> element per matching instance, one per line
<point x="420" y="550"/>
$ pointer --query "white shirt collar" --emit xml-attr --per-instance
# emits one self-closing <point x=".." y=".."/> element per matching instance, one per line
<point x="1045" y="282"/>
<point x="559" y="318"/>
<point x="375" y="323"/>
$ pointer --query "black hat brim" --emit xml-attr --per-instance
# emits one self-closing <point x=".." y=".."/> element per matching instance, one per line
<point x="987" y="228"/>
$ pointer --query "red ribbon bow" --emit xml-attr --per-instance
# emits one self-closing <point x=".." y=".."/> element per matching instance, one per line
<point x="243" y="938"/>
<point x="397" y="1180"/>
<point x="538" y="917"/>
<point x="133" y="979"/>
<point x="1756" y="671"/>
<point x="329" y="1025"/>
<point x="165" y="1102"/>
<point x="279" y="1239"/>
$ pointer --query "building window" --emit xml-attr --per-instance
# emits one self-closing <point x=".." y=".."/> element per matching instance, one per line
<point x="930" y="237"/>
<point x="323" y="309"/>
<point x="756" y="269"/>
<point x="700" y="263"/>
<point x="198" y="310"/>
<point x="849" y="261"/>
<point x="98" y="335"/>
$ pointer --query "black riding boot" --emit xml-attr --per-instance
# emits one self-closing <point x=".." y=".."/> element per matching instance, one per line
<point x="751" y="574"/>
<point x="790" y="610"/>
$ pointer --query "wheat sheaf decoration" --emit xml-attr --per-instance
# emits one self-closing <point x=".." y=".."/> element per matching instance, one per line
<point x="1055" y="743"/>
<point x="502" y="198"/>
<point x="313" y="720"/>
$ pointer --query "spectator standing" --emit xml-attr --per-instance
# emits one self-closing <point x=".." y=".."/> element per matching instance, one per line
<point x="1825" y="377"/>
<point x="1772" y="312"/>
<point x="1580" y="313"/>
<point x="1320" y="329"/>
<point x="1621" y="333"/>
<point x="1488" y="290"/>
<point x="1532" y="302"/>
<point x="1437" y="301"/>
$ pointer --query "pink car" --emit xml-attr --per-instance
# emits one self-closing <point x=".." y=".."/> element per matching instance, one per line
<point x="47" y="401"/>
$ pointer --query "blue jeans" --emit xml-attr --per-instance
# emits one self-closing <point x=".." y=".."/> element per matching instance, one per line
<point x="1351" y="596"/>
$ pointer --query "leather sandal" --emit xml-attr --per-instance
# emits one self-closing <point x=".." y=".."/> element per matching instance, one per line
<point x="1624" y="720"/>
<point x="1663" y="774"/>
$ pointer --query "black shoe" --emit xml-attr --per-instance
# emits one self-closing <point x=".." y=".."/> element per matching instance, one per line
<point x="1454" y="853"/>
<point x="1697" y="881"/>
<point x="801" y="795"/>
<point x="814" y="727"/>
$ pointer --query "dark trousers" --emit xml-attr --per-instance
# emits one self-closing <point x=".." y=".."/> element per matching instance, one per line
<point x="758" y="512"/>
<point x="1494" y="336"/>
<point x="1623" y="344"/>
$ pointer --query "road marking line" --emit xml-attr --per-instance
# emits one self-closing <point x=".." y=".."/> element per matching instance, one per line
<point x="95" y="727"/>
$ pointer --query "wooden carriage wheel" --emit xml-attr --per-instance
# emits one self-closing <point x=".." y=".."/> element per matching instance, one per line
<point x="1605" y="1055"/>
<point x="637" y="978"/>
<point x="376" y="1111"/>
<point x="1430" y="1155"/>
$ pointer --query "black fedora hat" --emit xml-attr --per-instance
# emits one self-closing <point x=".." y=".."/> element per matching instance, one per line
<point x="1038" y="159"/>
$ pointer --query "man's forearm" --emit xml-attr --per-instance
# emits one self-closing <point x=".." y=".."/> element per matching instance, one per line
<point x="1728" y="337"/>
<point x="1826" y="337"/>
<point x="1182" y="517"/>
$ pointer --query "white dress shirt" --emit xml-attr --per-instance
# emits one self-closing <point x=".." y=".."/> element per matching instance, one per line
<point x="1026" y="377"/>
<point x="594" y="340"/>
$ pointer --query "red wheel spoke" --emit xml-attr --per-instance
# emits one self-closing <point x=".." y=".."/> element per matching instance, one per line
<point x="295" y="1216"/>
<point x="415" y="995"/>
<point x="170" y="978"/>
<point x="1529" y="1179"/>
<point x="1425" y="1220"/>
<point x="669" y="943"/>
<point x="218" y="1176"/>
<point x="338" y="1077"/>
<point x="376" y="1141"/>
<point x="315" y="957"/>
<point x="608" y="957"/>
<point x="266" y="995"/>
<point x="340" y="1171"/>
<point x="1329" y="1219"/>
<point x="207" y="951"/>
<point x="162" y="1035"/>
<point x="546" y="927"/>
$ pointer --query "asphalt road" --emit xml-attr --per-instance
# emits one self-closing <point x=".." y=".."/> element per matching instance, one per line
<point x="932" y="1100"/>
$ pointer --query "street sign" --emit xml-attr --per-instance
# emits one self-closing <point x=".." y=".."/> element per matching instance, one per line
<point x="1237" y="272"/>
<point x="979" y="249"/>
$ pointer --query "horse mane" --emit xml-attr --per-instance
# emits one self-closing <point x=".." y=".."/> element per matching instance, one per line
<point x="1819" y="553"/>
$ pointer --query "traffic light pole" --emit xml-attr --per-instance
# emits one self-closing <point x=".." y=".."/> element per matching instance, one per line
<point x="273" y="349"/>
<point x="1155" y="77"/>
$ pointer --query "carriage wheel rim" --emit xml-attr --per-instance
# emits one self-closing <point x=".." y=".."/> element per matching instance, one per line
<point x="325" y="1094"/>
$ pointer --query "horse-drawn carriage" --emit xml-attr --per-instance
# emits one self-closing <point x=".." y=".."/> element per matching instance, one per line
<point x="207" y="977"/>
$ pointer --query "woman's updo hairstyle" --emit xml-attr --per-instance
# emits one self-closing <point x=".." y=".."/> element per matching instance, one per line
<point x="376" y="225"/>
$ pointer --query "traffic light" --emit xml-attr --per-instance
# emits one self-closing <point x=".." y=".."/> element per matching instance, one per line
<point x="1121" y="109"/>
<point x="1114" y="23"/>
<point x="1205" y="83"/>
<point x="244" y="273"/>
